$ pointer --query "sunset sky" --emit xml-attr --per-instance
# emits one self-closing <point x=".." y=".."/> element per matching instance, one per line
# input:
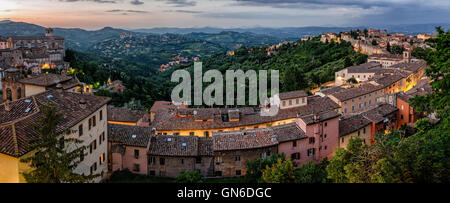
<point x="95" y="14"/>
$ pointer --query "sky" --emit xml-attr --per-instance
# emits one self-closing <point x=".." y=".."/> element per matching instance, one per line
<point x="132" y="14"/>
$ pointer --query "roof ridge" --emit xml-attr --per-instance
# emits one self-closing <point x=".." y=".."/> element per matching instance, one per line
<point x="16" y="145"/>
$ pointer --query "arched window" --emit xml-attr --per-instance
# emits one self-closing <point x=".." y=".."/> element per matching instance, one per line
<point x="19" y="93"/>
<point x="8" y="94"/>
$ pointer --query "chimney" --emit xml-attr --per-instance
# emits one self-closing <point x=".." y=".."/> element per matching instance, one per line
<point x="7" y="106"/>
<point x="59" y="87"/>
<point x="82" y="104"/>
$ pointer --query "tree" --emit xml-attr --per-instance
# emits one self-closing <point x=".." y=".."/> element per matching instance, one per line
<point x="374" y="42"/>
<point x="255" y="168"/>
<point x="312" y="173"/>
<point x="352" y="80"/>
<point x="189" y="177"/>
<point x="397" y="49"/>
<point x="420" y="52"/>
<point x="388" y="47"/>
<point x="52" y="162"/>
<point x="280" y="172"/>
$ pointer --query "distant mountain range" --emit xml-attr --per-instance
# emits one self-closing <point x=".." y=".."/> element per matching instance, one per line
<point x="294" y="33"/>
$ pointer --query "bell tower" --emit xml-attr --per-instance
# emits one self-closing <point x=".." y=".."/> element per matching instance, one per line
<point x="49" y="32"/>
<point x="12" y="88"/>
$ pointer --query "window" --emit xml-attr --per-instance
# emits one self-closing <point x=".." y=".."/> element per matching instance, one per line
<point x="90" y="148"/>
<point x="238" y="172"/>
<point x="325" y="136"/>
<point x="206" y="134"/>
<point x="342" y="140"/>
<point x="237" y="158"/>
<point x="100" y="115"/>
<point x="360" y="105"/>
<point x="182" y="161"/>
<point x="80" y="130"/>
<point x="151" y="160"/>
<point x="364" y="130"/>
<point x="326" y="124"/>
<point x="136" y="154"/>
<point x="95" y="144"/>
<point x="198" y="160"/>
<point x="297" y="101"/>
<point x="311" y="151"/>
<point x="90" y="124"/>
<point x="303" y="100"/>
<point x="162" y="161"/>
<point x="294" y="143"/>
<point x="284" y="103"/>
<point x="218" y="173"/>
<point x="94" y="121"/>
<point x="359" y="132"/>
<point x="345" y="110"/>
<point x="401" y="117"/>
<point x="191" y="133"/>
<point x="102" y="158"/>
<point x="82" y="155"/>
<point x="353" y="108"/>
<point x="136" y="167"/>
<point x="290" y="102"/>
<point x="311" y="140"/>
<point x="295" y="156"/>
<point x="325" y="148"/>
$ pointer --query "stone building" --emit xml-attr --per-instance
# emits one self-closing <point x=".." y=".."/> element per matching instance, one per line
<point x="128" y="147"/>
<point x="169" y="155"/>
<point x="360" y="72"/>
<point x="84" y="116"/>
<point x="354" y="126"/>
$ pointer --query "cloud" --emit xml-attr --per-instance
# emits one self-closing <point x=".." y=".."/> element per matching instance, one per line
<point x="180" y="3"/>
<point x="125" y="11"/>
<point x="136" y="2"/>
<point x="96" y="1"/>
<point x="183" y="11"/>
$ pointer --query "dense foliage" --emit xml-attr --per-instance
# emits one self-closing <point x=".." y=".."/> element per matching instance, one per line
<point x="189" y="177"/>
<point x="302" y="65"/>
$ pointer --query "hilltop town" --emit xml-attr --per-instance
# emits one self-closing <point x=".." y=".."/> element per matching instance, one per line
<point x="362" y="101"/>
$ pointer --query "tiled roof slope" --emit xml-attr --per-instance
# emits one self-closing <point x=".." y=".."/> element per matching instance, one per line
<point x="185" y="119"/>
<point x="46" y="80"/>
<point x="129" y="135"/>
<point x="293" y="94"/>
<point x="124" y="114"/>
<point x="352" y="124"/>
<point x="17" y="124"/>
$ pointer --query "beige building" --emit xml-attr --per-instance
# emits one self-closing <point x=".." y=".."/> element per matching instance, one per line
<point x="84" y="115"/>
<point x="354" y="126"/>
<point x="361" y="73"/>
<point x="358" y="98"/>
<point x="293" y="99"/>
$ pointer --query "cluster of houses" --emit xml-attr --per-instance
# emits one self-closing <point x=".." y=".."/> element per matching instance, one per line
<point x="217" y="142"/>
<point x="33" y="53"/>
<point x="373" y="41"/>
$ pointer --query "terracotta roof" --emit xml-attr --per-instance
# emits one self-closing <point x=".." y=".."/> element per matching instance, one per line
<point x="370" y="67"/>
<point x="46" y="80"/>
<point x="319" y="117"/>
<point x="292" y="95"/>
<point x="352" y="123"/>
<point x="184" y="119"/>
<point x="388" y="79"/>
<point x="331" y="90"/>
<point x="129" y="135"/>
<point x="124" y="114"/>
<point x="423" y="87"/>
<point x="378" y="113"/>
<point x="168" y="145"/>
<point x="17" y="124"/>
<point x="356" y="91"/>
<point x="411" y="67"/>
<point x="163" y="104"/>
<point x="256" y="138"/>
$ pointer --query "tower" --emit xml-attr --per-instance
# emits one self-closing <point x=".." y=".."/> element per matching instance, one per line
<point x="407" y="56"/>
<point x="49" y="32"/>
<point x="12" y="88"/>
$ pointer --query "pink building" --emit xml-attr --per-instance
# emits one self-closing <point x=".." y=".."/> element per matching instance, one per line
<point x="322" y="131"/>
<point x="128" y="148"/>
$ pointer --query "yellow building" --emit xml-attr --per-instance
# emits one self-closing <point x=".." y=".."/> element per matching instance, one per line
<point x="354" y="126"/>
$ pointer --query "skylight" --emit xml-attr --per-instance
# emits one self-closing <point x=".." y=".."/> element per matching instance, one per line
<point x="184" y="144"/>
<point x="169" y="139"/>
<point x="133" y="136"/>
<point x="49" y="96"/>
<point x="27" y="110"/>
<point x="27" y="101"/>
